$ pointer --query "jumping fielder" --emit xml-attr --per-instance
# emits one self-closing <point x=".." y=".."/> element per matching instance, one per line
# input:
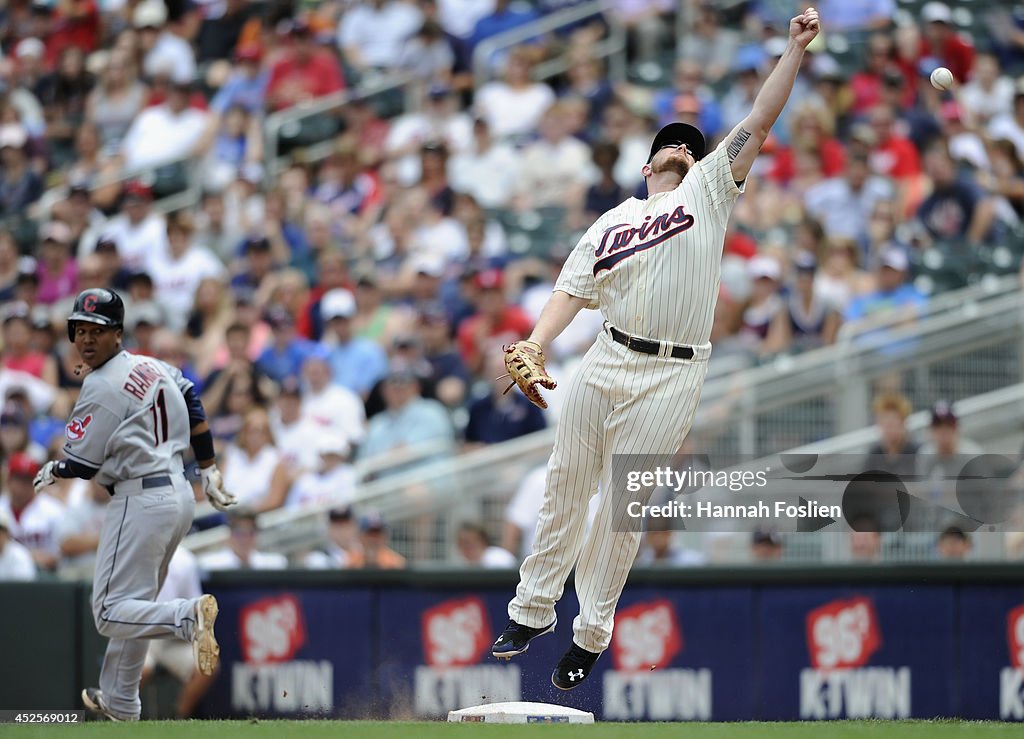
<point x="652" y="267"/>
<point x="133" y="419"/>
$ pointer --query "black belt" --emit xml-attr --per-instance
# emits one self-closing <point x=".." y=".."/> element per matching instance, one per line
<point x="156" y="481"/>
<point x="646" y="346"/>
<point x="153" y="481"/>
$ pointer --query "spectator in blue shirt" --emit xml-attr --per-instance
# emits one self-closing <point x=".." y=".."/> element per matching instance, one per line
<point x="287" y="351"/>
<point x="448" y="371"/>
<point x="259" y="262"/>
<point x="594" y="25"/>
<point x="859" y="15"/>
<point x="409" y="422"/>
<point x="893" y="293"/>
<point x="407" y="350"/>
<point x="956" y="210"/>
<point x="506" y="16"/>
<point x="498" y="417"/>
<point x="688" y="80"/>
<point x="356" y="363"/>
<point x="247" y="85"/>
<point x="605" y="193"/>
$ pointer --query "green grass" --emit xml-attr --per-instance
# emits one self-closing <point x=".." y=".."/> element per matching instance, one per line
<point x="428" y="730"/>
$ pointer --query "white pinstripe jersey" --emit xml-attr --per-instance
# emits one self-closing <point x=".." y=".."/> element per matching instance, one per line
<point x="653" y="266"/>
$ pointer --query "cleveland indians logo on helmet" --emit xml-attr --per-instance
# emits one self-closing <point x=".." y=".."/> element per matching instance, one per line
<point x="75" y="431"/>
<point x="89" y="303"/>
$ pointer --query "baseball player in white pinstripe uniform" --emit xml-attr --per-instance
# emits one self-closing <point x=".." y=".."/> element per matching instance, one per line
<point x="652" y="267"/>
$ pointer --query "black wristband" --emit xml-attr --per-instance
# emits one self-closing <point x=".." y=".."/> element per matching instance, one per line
<point x="68" y="468"/>
<point x="202" y="446"/>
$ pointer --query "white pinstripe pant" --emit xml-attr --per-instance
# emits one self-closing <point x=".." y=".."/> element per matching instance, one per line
<point x="619" y="402"/>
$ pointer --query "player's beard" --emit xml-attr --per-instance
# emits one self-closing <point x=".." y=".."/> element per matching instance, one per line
<point x="675" y="164"/>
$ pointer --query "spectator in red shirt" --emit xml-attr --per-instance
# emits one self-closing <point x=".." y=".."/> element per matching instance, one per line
<point x="866" y="84"/>
<point x="909" y="44"/>
<point x="813" y="131"/>
<point x="369" y="130"/>
<point x="74" y="23"/>
<point x="18" y="353"/>
<point x="495" y="322"/>
<point x="943" y="43"/>
<point x="304" y="71"/>
<point x="332" y="272"/>
<point x="894" y="155"/>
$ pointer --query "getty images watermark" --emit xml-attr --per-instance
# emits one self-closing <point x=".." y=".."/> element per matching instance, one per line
<point x="803" y="493"/>
<point x="677" y="481"/>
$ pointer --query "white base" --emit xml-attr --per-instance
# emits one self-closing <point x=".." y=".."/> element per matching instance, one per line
<point x="518" y="712"/>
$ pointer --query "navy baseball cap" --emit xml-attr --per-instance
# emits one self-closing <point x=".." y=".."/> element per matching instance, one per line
<point x="679" y="133"/>
<point x="943" y="413"/>
<point x="344" y="513"/>
<point x="372" y="521"/>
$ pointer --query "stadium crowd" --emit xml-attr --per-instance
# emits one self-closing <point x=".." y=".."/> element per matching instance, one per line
<point x="343" y="315"/>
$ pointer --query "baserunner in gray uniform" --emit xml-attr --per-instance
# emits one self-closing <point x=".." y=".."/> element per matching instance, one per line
<point x="134" y="418"/>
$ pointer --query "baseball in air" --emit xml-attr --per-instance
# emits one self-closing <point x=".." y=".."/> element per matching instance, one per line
<point x="942" y="78"/>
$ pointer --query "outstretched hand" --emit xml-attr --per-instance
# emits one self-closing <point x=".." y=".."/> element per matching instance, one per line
<point x="804" y="27"/>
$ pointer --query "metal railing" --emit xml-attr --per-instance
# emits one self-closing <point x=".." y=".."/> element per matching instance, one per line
<point x="995" y="416"/>
<point x="282" y="121"/>
<point x="612" y="47"/>
<point x="992" y="420"/>
<point x="185" y="198"/>
<point x="425" y="505"/>
<point x="441" y="484"/>
<point x="274" y="124"/>
<point x="965" y="345"/>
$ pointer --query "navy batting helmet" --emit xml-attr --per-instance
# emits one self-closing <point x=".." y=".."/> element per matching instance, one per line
<point x="96" y="305"/>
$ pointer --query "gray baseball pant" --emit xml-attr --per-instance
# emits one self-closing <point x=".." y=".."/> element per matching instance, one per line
<point x="140" y="533"/>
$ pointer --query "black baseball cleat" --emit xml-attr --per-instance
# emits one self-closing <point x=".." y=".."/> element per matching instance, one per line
<point x="573" y="668"/>
<point x="515" y="639"/>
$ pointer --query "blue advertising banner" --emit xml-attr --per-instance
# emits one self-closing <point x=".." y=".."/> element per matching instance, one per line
<point x="288" y="653"/>
<point x="435" y="652"/>
<point x="872" y="652"/>
<point x="679" y="656"/>
<point x="677" y="653"/>
<point x="992" y="652"/>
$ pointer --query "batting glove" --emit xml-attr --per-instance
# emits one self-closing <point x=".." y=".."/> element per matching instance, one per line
<point x="213" y="487"/>
<point x="45" y="476"/>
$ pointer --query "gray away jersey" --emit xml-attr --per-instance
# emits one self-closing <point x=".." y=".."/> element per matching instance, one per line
<point x="131" y="419"/>
<point x="653" y="266"/>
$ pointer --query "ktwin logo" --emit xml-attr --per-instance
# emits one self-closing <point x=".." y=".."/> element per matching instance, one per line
<point x="456" y="633"/>
<point x="842" y="638"/>
<point x="1011" y="679"/>
<point x="647" y="636"/>
<point x="843" y="634"/>
<point x="1015" y="636"/>
<point x="272" y="629"/>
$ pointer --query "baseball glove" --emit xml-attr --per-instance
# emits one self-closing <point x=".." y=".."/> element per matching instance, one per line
<point x="524" y="361"/>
